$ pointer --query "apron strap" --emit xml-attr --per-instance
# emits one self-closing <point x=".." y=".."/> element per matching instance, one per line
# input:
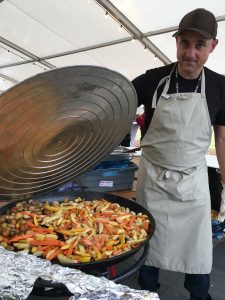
<point x="154" y="99"/>
<point x="203" y="84"/>
<point x="166" y="173"/>
<point x="166" y="87"/>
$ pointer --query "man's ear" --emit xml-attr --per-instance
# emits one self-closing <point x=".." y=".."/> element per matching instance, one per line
<point x="214" y="44"/>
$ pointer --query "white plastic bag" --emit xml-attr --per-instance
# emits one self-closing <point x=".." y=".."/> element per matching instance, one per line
<point x="221" y="215"/>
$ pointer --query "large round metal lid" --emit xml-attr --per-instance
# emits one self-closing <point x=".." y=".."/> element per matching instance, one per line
<point x="59" y="124"/>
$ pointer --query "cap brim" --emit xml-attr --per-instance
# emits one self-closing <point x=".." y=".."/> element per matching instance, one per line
<point x="202" y="33"/>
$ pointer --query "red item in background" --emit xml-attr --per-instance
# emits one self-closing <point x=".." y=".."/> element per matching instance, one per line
<point x="141" y="120"/>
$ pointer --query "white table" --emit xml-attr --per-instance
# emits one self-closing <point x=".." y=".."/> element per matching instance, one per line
<point x="212" y="161"/>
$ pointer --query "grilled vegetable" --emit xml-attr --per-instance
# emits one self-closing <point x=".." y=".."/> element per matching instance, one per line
<point x="73" y="231"/>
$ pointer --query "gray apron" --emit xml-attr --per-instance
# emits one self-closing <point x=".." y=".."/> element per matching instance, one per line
<point x="173" y="181"/>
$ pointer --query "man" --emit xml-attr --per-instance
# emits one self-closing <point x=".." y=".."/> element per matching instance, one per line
<point x="182" y="101"/>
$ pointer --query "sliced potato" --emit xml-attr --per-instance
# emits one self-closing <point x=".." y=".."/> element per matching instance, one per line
<point x="21" y="246"/>
<point x="65" y="260"/>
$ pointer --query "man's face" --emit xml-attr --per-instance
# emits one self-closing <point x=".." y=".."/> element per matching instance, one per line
<point x="192" y="53"/>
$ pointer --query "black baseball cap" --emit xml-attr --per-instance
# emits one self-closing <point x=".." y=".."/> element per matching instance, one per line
<point x="201" y="21"/>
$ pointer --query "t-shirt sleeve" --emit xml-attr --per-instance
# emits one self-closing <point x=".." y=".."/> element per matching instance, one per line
<point x="145" y="86"/>
<point x="220" y="116"/>
<point x="139" y="86"/>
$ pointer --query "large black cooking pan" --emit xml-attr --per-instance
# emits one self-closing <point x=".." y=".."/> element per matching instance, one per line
<point x="132" y="205"/>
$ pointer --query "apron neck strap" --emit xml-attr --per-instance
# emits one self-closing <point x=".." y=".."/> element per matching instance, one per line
<point x="167" y="84"/>
<point x="203" y="84"/>
<point x="166" y="87"/>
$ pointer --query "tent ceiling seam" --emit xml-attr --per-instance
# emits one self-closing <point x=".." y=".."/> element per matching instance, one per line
<point x="33" y="57"/>
<point x="174" y="28"/>
<point x="8" y="78"/>
<point x="132" y="29"/>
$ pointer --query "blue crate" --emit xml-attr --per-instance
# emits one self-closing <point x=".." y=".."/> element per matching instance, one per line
<point x="110" y="179"/>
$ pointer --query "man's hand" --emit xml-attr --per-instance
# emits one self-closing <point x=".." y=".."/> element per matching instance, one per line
<point x="221" y="215"/>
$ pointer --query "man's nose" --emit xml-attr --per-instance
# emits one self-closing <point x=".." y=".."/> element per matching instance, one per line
<point x="191" y="52"/>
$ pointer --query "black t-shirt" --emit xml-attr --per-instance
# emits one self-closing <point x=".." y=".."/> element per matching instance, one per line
<point x="147" y="83"/>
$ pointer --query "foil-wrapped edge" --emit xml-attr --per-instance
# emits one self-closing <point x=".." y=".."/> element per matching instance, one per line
<point x="19" y="271"/>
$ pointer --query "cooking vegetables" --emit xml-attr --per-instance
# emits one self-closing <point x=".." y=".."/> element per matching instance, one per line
<point x="75" y="231"/>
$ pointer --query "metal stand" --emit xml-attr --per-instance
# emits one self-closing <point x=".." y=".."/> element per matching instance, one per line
<point x="133" y="269"/>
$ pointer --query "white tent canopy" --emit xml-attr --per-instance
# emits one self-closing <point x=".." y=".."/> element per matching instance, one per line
<point x="129" y="36"/>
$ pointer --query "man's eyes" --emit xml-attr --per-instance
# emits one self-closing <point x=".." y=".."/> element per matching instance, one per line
<point x="185" y="43"/>
<point x="200" y="46"/>
<point x="197" y="46"/>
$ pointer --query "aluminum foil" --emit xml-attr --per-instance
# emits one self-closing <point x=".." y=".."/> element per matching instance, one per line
<point x="19" y="271"/>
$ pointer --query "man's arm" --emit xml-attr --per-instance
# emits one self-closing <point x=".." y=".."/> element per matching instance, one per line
<point x="220" y="148"/>
<point x="220" y="151"/>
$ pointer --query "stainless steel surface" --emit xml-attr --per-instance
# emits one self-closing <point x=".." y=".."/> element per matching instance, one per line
<point x="59" y="124"/>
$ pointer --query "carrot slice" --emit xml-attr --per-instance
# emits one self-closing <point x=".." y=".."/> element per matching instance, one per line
<point x="102" y="220"/>
<point x="109" y="229"/>
<point x="30" y="224"/>
<point x="21" y="237"/>
<point x="53" y="254"/>
<point x="109" y="247"/>
<point x="43" y="248"/>
<point x="117" y="252"/>
<point x="97" y="243"/>
<point x="107" y="214"/>
<point x="50" y="242"/>
<point x="103" y="240"/>
<point x="70" y="250"/>
<point x="146" y="225"/>
<point x="66" y="214"/>
<point x="87" y="242"/>
<point x="42" y="230"/>
<point x="133" y="218"/>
